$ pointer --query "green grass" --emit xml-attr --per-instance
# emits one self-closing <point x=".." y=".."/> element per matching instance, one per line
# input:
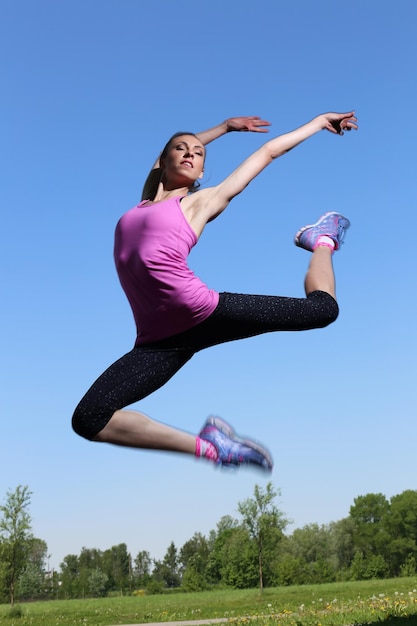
<point x="393" y="602"/>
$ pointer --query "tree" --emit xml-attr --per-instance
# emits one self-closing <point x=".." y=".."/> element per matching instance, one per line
<point x="368" y="568"/>
<point x="70" y="576"/>
<point x="90" y="561"/>
<point x="368" y="514"/>
<point x="193" y="559"/>
<point x="32" y="581"/>
<point x="290" y="570"/>
<point x="402" y="518"/>
<point x="15" y="537"/>
<point x="142" y="568"/>
<point x="311" y="542"/>
<point x="166" y="571"/>
<point x="342" y="545"/>
<point x="265" y="524"/>
<point x="216" y="542"/>
<point x="117" y="564"/>
<point x="239" y="567"/>
<point x="401" y="524"/>
<point x="97" y="581"/>
<point x="308" y="556"/>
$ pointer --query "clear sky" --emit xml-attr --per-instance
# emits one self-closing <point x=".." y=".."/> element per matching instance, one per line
<point x="90" y="92"/>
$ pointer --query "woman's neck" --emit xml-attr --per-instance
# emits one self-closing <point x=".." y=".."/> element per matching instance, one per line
<point x="163" y="193"/>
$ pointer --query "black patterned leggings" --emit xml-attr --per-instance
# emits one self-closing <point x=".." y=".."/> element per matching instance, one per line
<point x="147" y="367"/>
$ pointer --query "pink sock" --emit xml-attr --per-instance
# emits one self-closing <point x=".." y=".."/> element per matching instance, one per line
<point x="205" y="449"/>
<point x="324" y="240"/>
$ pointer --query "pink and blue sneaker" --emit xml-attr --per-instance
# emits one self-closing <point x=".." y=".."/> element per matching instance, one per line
<point x="332" y="225"/>
<point x="234" y="450"/>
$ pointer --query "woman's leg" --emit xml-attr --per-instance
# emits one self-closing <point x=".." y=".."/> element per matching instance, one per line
<point x="137" y="430"/>
<point x="216" y="442"/>
<point x="100" y="415"/>
<point x="322" y="239"/>
<point x="238" y="316"/>
<point x="320" y="275"/>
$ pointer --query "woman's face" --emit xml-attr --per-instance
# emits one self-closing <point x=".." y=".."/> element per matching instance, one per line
<point x="184" y="160"/>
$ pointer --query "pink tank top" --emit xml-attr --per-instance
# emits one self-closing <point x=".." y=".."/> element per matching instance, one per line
<point x="152" y="243"/>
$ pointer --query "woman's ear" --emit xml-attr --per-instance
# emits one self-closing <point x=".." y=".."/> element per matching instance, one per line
<point x="202" y="174"/>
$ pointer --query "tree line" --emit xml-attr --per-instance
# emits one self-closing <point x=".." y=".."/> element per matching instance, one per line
<point x="378" y="539"/>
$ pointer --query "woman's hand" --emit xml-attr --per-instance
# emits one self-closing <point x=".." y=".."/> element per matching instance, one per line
<point x="251" y="123"/>
<point x="339" y="122"/>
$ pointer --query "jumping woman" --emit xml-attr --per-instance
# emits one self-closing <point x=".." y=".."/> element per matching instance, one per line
<point x="177" y="315"/>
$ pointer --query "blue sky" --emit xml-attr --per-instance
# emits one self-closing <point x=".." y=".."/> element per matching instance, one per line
<point x="90" y="93"/>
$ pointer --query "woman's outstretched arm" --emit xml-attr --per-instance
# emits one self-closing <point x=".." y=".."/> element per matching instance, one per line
<point x="252" y="124"/>
<point x="214" y="200"/>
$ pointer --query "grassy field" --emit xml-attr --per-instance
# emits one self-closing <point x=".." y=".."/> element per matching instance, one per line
<point x="393" y="602"/>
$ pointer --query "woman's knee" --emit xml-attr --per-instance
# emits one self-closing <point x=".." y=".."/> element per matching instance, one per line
<point x="88" y="422"/>
<point x="326" y="307"/>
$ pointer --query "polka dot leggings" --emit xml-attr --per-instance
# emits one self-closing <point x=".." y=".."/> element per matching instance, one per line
<point x="148" y="367"/>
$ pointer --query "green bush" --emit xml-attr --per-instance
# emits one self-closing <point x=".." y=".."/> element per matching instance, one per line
<point x="15" y="611"/>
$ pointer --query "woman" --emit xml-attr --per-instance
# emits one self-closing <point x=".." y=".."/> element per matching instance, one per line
<point x="177" y="315"/>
